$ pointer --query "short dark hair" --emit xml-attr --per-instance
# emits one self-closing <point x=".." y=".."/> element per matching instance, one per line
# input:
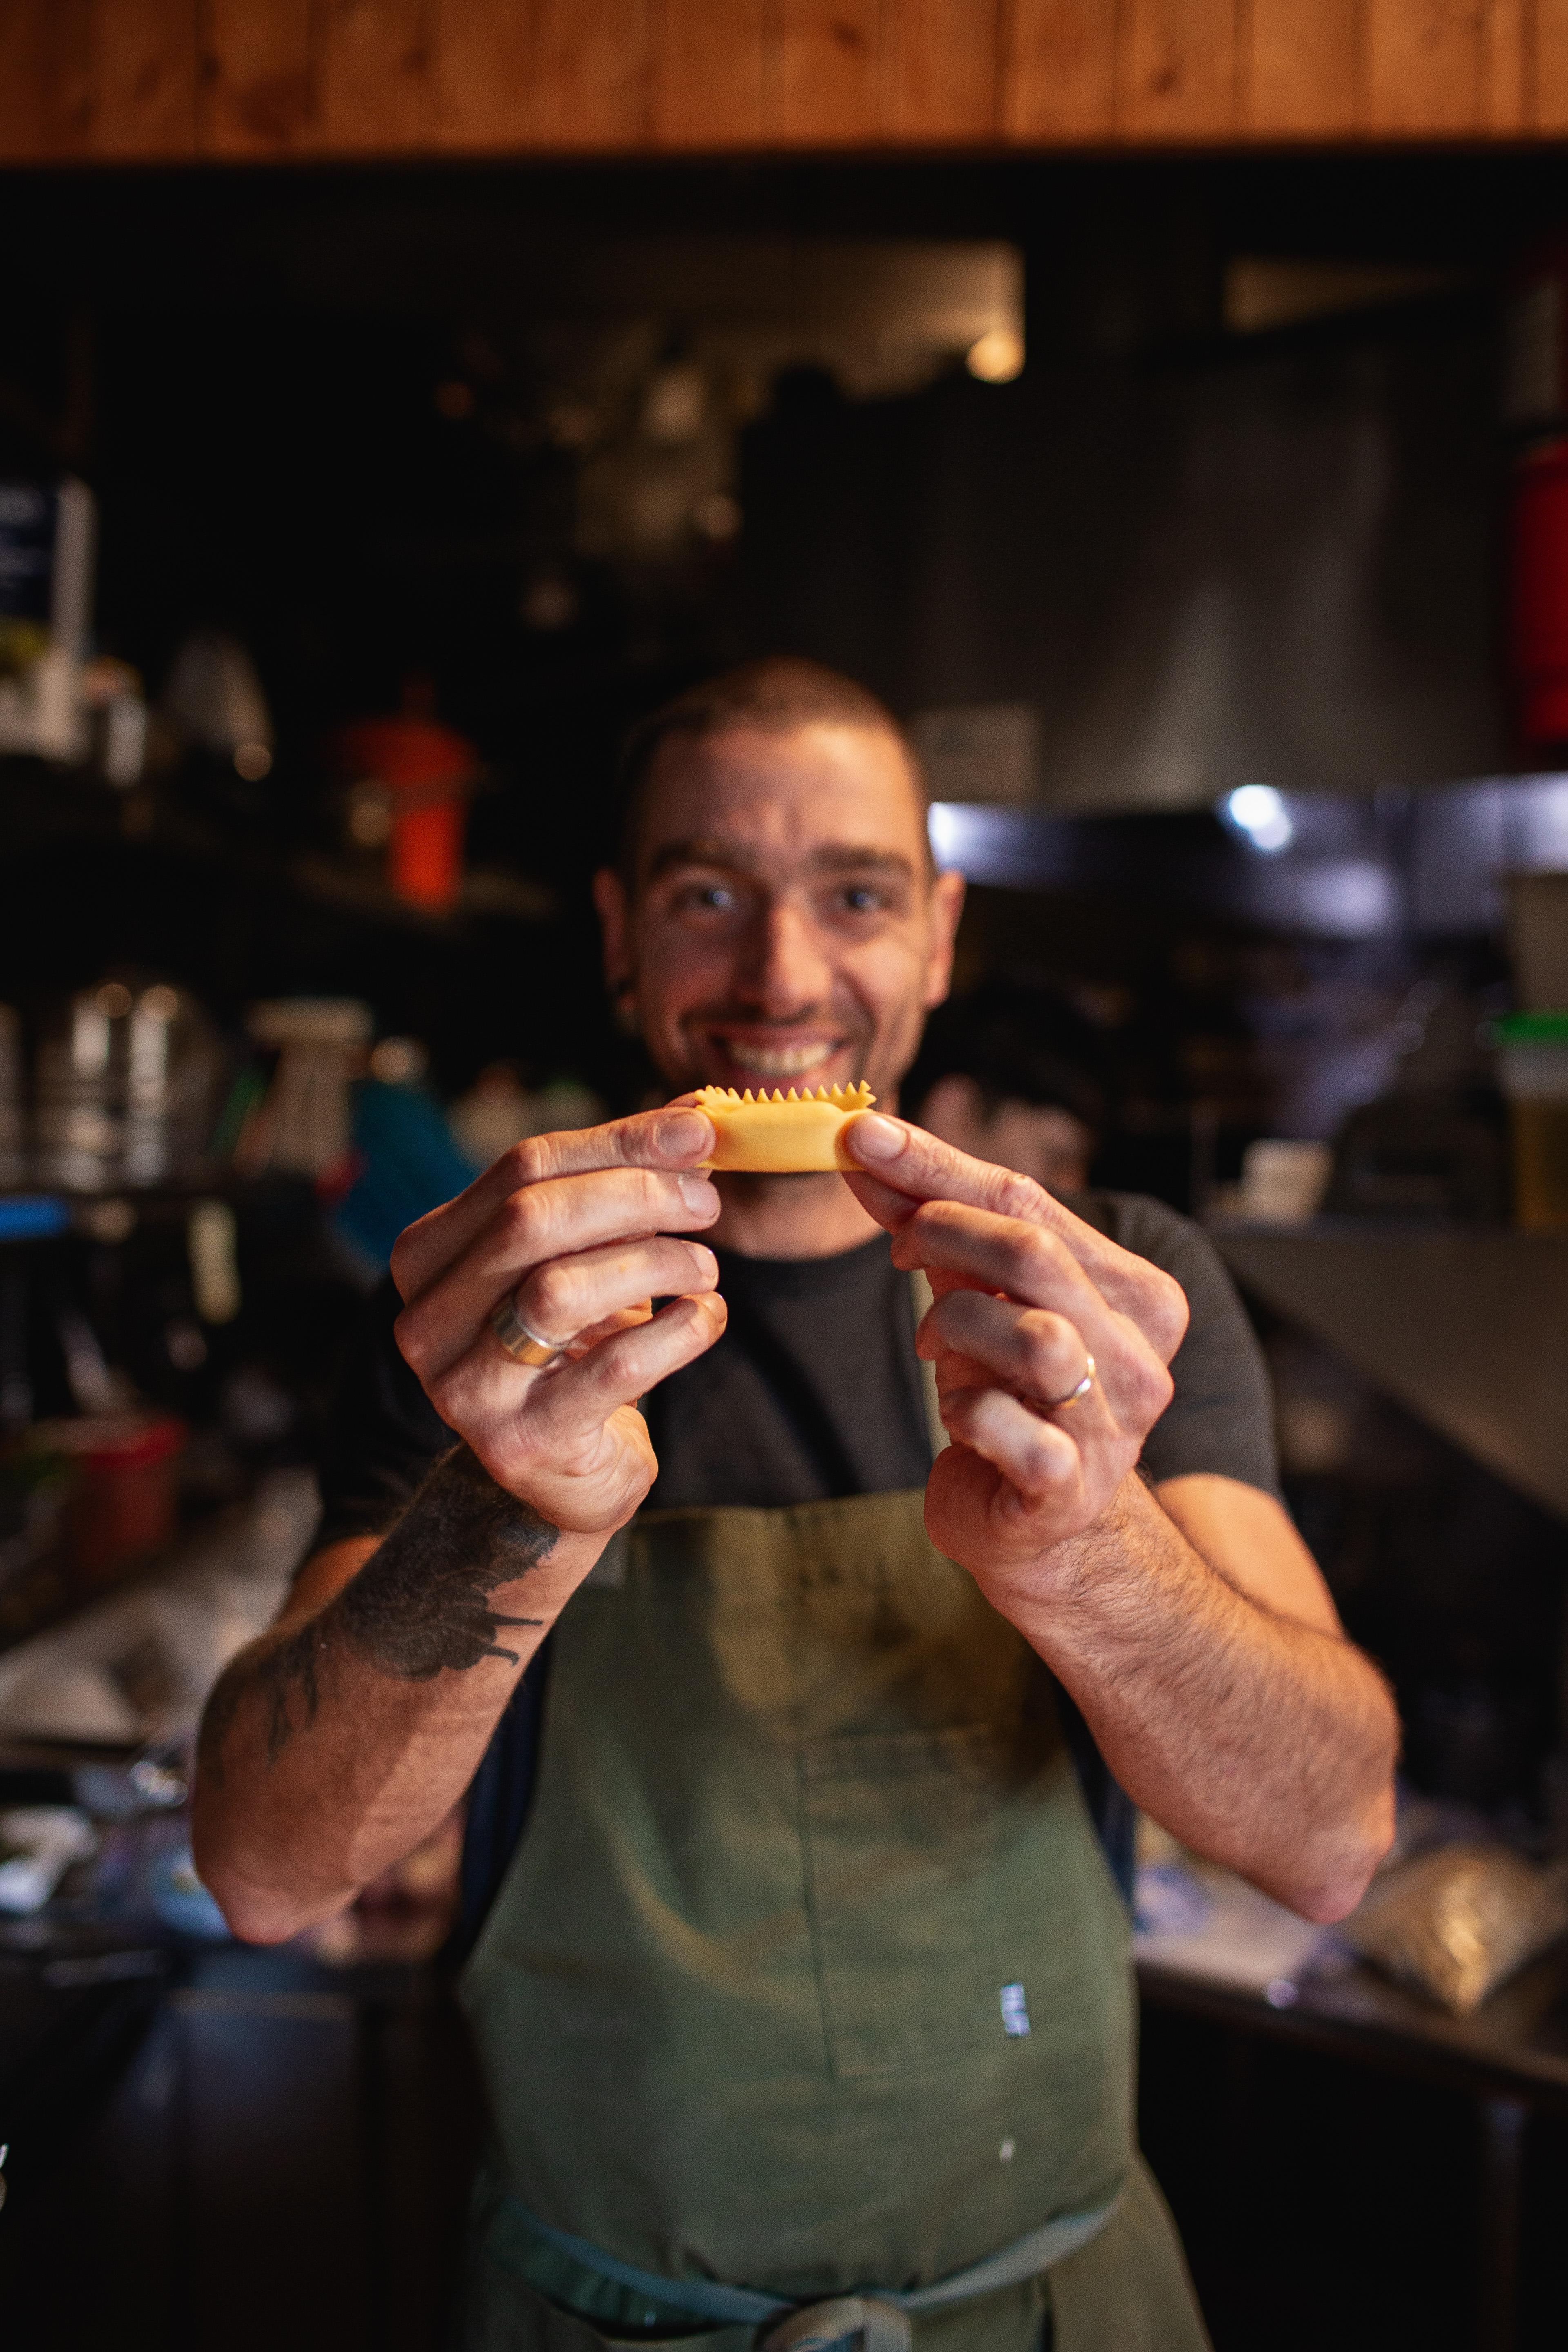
<point x="776" y="695"/>
<point x="1018" y="1042"/>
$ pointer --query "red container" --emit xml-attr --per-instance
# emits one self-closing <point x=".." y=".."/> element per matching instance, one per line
<point x="430" y="774"/>
<point x="1538" y="622"/>
<point x="124" y="1499"/>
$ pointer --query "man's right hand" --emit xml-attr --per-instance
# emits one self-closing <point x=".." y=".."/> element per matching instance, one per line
<point x="583" y="1230"/>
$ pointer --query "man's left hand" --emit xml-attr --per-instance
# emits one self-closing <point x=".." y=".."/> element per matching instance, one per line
<point x="1025" y="1294"/>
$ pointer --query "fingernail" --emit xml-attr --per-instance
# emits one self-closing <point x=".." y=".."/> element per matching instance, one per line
<point x="706" y="1261"/>
<point x="696" y="1191"/>
<point x="682" y="1131"/>
<point x="876" y="1138"/>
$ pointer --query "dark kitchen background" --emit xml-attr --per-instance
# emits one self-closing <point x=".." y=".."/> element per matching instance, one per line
<point x="1193" y="513"/>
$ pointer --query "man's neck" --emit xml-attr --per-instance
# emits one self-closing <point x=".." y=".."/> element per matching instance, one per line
<point x="789" y="1216"/>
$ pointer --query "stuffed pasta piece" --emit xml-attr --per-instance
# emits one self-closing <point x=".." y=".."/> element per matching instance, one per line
<point x="780" y="1134"/>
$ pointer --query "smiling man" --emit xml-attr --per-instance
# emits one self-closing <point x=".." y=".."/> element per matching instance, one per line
<point x="800" y="1981"/>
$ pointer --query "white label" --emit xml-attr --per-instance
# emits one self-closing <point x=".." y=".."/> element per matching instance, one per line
<point x="1015" y="2010"/>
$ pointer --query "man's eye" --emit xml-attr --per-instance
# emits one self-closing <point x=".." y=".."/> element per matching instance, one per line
<point x="860" y="898"/>
<point x="708" y="898"/>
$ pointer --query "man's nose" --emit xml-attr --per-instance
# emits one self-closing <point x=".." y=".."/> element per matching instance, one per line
<point x="788" y="971"/>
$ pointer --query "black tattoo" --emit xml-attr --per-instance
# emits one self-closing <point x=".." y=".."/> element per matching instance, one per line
<point x="419" y="1604"/>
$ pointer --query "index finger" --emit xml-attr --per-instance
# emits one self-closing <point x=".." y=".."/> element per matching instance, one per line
<point x="676" y="1136"/>
<point x="904" y="1165"/>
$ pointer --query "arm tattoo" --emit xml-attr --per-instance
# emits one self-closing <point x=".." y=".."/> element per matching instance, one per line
<point x="419" y="1604"/>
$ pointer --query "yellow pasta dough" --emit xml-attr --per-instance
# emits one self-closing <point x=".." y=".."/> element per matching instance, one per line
<point x="781" y="1134"/>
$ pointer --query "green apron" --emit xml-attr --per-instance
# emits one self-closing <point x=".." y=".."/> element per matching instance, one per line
<point x="808" y="1976"/>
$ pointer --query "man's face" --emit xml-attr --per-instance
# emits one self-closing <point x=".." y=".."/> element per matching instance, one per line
<point x="785" y="930"/>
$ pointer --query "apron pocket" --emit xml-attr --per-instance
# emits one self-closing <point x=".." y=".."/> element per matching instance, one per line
<point x="922" y="1936"/>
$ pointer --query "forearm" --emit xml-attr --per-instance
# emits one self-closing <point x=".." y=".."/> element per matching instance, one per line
<point x="333" y="1743"/>
<point x="1265" y="1743"/>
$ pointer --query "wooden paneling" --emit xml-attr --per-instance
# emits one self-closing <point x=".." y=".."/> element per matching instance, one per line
<point x="258" y="94"/>
<point x="144" y="68"/>
<point x="71" y="52"/>
<point x="249" y="80"/>
<point x="591" y="73"/>
<point x="938" y="68"/>
<point x="1506" y="93"/>
<point x="1424" y="66"/>
<point x="822" y="88"/>
<point x="377" y="86"/>
<point x="1058" y="69"/>
<point x="1177" y="69"/>
<point x="47" y="96"/>
<point x="483" y="74"/>
<point x="1300" y="68"/>
<point x="1549" y="110"/>
<point x="708" y="73"/>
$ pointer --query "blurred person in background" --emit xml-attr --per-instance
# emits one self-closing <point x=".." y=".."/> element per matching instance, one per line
<point x="1008" y="1074"/>
<point x="801" y="1986"/>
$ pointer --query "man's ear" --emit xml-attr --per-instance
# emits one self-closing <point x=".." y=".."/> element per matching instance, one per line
<point x="944" y="907"/>
<point x="610" y="904"/>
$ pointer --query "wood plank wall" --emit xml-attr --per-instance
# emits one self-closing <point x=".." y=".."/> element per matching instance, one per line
<point x="168" y="81"/>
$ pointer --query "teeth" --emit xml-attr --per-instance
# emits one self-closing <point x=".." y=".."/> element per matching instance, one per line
<point x="783" y="1061"/>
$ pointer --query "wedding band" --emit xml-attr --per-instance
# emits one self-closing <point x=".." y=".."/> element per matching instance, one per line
<point x="1082" y="1390"/>
<point x="523" y="1346"/>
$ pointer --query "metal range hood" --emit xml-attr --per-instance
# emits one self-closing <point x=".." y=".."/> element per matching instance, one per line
<point x="1468" y="1329"/>
<point x="1339" y="866"/>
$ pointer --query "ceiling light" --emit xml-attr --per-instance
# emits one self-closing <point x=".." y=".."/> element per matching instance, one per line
<point x="997" y="357"/>
<point x="1258" y="813"/>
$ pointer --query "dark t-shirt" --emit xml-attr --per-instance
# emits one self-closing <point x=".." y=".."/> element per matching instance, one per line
<point x="814" y="1391"/>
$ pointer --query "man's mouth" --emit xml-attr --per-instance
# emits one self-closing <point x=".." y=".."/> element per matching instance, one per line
<point x="782" y="1062"/>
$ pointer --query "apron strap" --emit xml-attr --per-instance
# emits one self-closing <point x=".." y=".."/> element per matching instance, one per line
<point x="861" y="2320"/>
<point x="878" y="2321"/>
<point x="923" y="1298"/>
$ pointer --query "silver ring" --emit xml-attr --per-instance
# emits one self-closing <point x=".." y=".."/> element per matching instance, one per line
<point x="523" y="1346"/>
<point x="1054" y="1404"/>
